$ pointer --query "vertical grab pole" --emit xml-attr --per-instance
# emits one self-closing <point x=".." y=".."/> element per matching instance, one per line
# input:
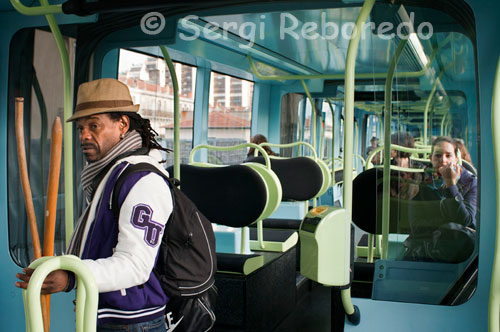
<point x="177" y="142"/>
<point x="494" y="301"/>
<point x="333" y="141"/>
<point x="352" y="51"/>
<point x="387" y="148"/>
<point x="428" y="104"/>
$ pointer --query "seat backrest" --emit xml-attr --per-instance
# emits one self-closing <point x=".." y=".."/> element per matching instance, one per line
<point x="367" y="200"/>
<point x="234" y="196"/>
<point x="301" y="178"/>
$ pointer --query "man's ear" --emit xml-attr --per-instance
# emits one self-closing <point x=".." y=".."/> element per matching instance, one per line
<point x="124" y="124"/>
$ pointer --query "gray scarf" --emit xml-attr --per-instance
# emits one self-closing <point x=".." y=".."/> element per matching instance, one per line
<point x="131" y="141"/>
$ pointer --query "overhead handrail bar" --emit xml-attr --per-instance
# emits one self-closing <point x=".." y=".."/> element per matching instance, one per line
<point x="48" y="11"/>
<point x="86" y="296"/>
<point x="387" y="150"/>
<point x="342" y="75"/>
<point x="177" y="142"/>
<point x="494" y="300"/>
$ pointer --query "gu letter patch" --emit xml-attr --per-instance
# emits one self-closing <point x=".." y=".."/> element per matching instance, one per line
<point x="142" y="218"/>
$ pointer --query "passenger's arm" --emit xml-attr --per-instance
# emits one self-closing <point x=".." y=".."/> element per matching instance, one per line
<point x="458" y="208"/>
<point x="142" y="219"/>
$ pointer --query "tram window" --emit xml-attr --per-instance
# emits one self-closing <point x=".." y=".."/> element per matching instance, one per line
<point x="229" y="117"/>
<point x="35" y="74"/>
<point x="150" y="84"/>
<point x="291" y="123"/>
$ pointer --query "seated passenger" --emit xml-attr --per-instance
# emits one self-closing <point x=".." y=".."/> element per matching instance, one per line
<point x="258" y="139"/>
<point x="443" y="229"/>
<point x="400" y="158"/>
<point x="373" y="145"/>
<point x="403" y="184"/>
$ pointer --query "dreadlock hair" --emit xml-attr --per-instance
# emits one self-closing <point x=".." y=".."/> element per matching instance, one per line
<point x="143" y="127"/>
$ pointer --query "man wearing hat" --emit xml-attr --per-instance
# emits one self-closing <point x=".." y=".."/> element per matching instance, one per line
<point x="119" y="250"/>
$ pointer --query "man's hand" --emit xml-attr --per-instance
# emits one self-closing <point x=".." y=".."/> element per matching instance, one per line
<point x="450" y="174"/>
<point x="55" y="282"/>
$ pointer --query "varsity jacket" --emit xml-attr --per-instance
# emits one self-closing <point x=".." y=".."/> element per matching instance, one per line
<point x="122" y="253"/>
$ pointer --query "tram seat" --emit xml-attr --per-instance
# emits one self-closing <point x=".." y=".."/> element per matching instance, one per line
<point x="233" y="196"/>
<point x="468" y="166"/>
<point x="302" y="179"/>
<point x="237" y="196"/>
<point x="367" y="209"/>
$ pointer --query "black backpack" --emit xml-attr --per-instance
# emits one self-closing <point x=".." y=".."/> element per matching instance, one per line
<point x="186" y="263"/>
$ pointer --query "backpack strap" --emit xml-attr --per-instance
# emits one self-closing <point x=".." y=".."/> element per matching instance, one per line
<point x="131" y="169"/>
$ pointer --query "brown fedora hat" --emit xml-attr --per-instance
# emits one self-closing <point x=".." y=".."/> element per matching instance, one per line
<point x="102" y="96"/>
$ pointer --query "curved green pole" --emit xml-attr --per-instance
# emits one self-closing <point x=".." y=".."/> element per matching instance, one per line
<point x="87" y="295"/>
<point x="177" y="141"/>
<point x="231" y="148"/>
<point x="44" y="9"/>
<point x="333" y="141"/>
<point x="494" y="301"/>
<point x="387" y="150"/>
<point x="289" y="145"/>
<point x="443" y="120"/>
<point x="428" y="103"/>
<point x="350" y="67"/>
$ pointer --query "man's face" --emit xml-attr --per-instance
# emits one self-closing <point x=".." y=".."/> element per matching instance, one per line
<point x="98" y="134"/>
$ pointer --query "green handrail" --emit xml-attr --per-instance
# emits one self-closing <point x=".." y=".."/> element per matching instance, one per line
<point x="48" y="11"/>
<point x="387" y="150"/>
<point x="177" y="142"/>
<point x="494" y="301"/>
<point x="429" y="99"/>
<point x="44" y="9"/>
<point x="290" y="145"/>
<point x="231" y="148"/>
<point x="86" y="296"/>
<point x="350" y="69"/>
<point x="418" y="150"/>
<point x="333" y="140"/>
<point x="342" y="75"/>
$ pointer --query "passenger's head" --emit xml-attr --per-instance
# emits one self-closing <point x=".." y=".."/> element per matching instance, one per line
<point x="104" y="114"/>
<point x="464" y="153"/>
<point x="402" y="139"/>
<point x="374" y="141"/>
<point x="258" y="139"/>
<point x="444" y="152"/>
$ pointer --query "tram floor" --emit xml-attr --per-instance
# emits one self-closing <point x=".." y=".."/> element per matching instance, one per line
<point x="311" y="314"/>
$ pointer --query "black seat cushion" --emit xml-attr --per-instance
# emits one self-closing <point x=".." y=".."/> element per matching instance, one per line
<point x="232" y="195"/>
<point x="301" y="178"/>
<point x="367" y="203"/>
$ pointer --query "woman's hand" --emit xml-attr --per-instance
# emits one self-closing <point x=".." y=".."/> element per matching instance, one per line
<point x="449" y="173"/>
<point x="56" y="281"/>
